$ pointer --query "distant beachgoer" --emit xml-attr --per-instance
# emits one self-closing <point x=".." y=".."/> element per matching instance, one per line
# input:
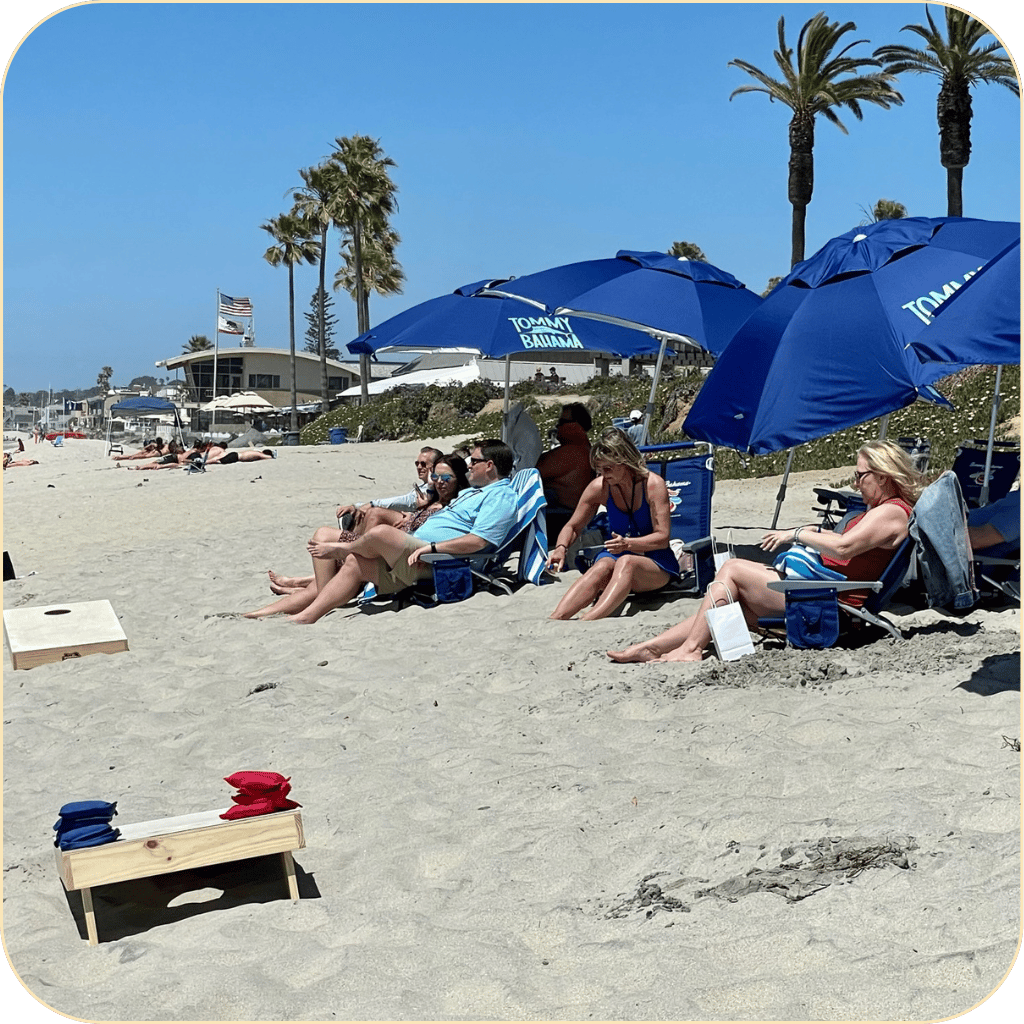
<point x="229" y="456"/>
<point x="175" y="458"/>
<point x="890" y="486"/>
<point x="36" y="434"/>
<point x="150" y="451"/>
<point x="553" y="377"/>
<point x="9" y="461"/>
<point x="635" y="431"/>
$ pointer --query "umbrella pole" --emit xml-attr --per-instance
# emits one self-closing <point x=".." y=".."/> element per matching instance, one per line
<point x="508" y="388"/>
<point x="983" y="497"/>
<point x="883" y="426"/>
<point x="649" y="412"/>
<point x="781" y="496"/>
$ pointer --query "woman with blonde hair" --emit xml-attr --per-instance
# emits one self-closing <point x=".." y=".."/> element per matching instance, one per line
<point x="889" y="485"/>
<point x="638" y="557"/>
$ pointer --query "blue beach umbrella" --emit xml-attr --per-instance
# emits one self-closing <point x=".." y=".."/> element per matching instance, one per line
<point x="472" y="317"/>
<point x="687" y="302"/>
<point x="827" y="348"/>
<point x="980" y="324"/>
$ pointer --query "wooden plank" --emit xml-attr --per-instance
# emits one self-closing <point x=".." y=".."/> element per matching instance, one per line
<point x="192" y="846"/>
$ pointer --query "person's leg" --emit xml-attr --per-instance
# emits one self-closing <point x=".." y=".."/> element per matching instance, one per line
<point x="631" y="572"/>
<point x="343" y="587"/>
<point x="748" y="584"/>
<point x="381" y="542"/>
<point x="586" y="590"/>
<point x="656" y="647"/>
<point x="290" y="604"/>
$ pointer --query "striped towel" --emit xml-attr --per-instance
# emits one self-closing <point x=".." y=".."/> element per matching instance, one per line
<point x="530" y="504"/>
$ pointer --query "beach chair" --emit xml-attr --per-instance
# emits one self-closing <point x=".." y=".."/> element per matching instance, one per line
<point x="688" y="469"/>
<point x="969" y="467"/>
<point x="526" y="539"/>
<point x="1001" y="573"/>
<point x="523" y="437"/>
<point x="824" y="593"/>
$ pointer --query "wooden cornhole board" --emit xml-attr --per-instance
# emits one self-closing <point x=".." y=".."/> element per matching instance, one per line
<point x="164" y="845"/>
<point x="58" y="632"/>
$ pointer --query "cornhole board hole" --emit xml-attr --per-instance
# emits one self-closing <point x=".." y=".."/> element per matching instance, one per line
<point x="58" y="632"/>
<point x="189" y="841"/>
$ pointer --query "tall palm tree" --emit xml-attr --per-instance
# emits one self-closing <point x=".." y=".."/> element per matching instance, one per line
<point x="103" y="377"/>
<point x="382" y="273"/>
<point x="365" y="199"/>
<point x="960" y="63"/>
<point x="814" y="85"/>
<point x="295" y="244"/>
<point x="197" y="343"/>
<point x="316" y="203"/>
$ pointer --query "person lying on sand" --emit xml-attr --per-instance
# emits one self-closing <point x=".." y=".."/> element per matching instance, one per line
<point x="149" y="451"/>
<point x="411" y="501"/>
<point x="229" y="456"/>
<point x="176" y="456"/>
<point x="889" y="485"/>
<point x="478" y="520"/>
<point x="637" y="558"/>
<point x="448" y="477"/>
<point x="9" y="461"/>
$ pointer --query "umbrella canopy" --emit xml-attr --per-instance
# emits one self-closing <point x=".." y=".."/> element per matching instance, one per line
<point x="687" y="301"/>
<point x="827" y="348"/>
<point x="495" y="327"/>
<point x="980" y="323"/>
<point x="143" y="406"/>
<point x="240" y="401"/>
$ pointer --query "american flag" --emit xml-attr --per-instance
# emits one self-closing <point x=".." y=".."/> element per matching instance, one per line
<point x="234" y="307"/>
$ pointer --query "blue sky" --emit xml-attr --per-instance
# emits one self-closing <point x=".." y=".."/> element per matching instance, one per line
<point x="144" y="144"/>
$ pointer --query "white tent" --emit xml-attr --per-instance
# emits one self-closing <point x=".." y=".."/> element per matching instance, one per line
<point x="421" y="378"/>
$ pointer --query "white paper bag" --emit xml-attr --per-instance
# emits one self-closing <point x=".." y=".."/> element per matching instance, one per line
<point x="721" y="557"/>
<point x="728" y="628"/>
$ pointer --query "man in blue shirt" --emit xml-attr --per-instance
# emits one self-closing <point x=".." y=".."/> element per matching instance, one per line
<point x="995" y="529"/>
<point x="479" y="519"/>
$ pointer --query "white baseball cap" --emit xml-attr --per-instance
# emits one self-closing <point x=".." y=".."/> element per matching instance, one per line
<point x="636" y="414"/>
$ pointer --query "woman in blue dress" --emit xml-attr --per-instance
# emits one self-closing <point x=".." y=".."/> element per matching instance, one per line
<point x="637" y="558"/>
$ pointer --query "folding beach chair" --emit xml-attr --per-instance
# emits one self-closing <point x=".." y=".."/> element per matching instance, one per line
<point x="969" y="467"/>
<point x="688" y="469"/>
<point x="527" y="538"/>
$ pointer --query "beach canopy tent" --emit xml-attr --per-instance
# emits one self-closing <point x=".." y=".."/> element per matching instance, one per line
<point x="688" y="302"/>
<point x="497" y="327"/>
<point x="420" y="378"/>
<point x="980" y="325"/>
<point x="827" y="348"/>
<point x="144" y="407"/>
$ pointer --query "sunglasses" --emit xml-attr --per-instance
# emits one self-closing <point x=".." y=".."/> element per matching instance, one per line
<point x="859" y="473"/>
<point x="445" y="478"/>
<point x="421" y="465"/>
<point x="476" y="462"/>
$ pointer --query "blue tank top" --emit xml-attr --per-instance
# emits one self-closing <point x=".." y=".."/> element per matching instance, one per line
<point x="638" y="524"/>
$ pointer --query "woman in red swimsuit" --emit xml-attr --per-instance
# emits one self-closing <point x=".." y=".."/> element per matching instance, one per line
<point x="889" y="485"/>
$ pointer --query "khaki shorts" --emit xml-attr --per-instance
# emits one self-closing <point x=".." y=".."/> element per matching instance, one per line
<point x="402" y="575"/>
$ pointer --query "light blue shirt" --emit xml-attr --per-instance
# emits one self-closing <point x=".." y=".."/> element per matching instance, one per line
<point x="487" y="512"/>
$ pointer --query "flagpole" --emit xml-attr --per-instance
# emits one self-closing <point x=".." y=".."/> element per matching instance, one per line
<point x="216" y="346"/>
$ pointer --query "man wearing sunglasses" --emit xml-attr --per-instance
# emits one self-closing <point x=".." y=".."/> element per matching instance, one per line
<point x="419" y="497"/>
<point x="478" y="520"/>
<point x="566" y="470"/>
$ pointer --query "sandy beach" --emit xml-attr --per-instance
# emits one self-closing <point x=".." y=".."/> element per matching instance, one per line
<point x="500" y="823"/>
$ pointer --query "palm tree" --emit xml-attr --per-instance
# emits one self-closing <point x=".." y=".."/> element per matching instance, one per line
<point x="294" y="245"/>
<point x="197" y="343"/>
<point x="960" y="63"/>
<point x="316" y="204"/>
<point x="103" y="377"/>
<point x="688" y="251"/>
<point x="772" y="282"/>
<point x="884" y="209"/>
<point x="382" y="273"/>
<point x="365" y="200"/>
<point x="814" y="86"/>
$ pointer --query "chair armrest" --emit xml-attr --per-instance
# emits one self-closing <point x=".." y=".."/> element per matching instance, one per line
<point x="781" y="586"/>
<point x="1011" y="563"/>
<point x="696" y="545"/>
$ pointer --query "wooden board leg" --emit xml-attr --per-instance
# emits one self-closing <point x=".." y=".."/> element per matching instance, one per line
<point x="90" y="916"/>
<point x="289" y="871"/>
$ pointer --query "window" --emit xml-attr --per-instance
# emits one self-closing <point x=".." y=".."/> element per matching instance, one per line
<point x="337" y="383"/>
<point x="229" y="377"/>
<point x="269" y="381"/>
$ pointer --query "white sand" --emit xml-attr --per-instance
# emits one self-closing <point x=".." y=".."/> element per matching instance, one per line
<point x="484" y="793"/>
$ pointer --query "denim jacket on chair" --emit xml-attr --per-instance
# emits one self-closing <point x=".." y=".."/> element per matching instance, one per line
<point x="939" y="530"/>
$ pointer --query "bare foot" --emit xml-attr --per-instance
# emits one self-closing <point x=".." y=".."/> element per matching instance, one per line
<point x="282" y="591"/>
<point x="682" y="654"/>
<point x="290" y="582"/>
<point x="635" y="652"/>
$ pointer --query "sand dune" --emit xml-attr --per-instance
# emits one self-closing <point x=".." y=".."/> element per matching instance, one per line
<point x="500" y="823"/>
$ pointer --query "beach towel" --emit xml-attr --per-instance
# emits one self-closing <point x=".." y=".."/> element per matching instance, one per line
<point x="802" y="563"/>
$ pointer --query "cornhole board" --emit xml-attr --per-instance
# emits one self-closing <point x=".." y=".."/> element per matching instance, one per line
<point x="58" y="632"/>
<point x="164" y="845"/>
